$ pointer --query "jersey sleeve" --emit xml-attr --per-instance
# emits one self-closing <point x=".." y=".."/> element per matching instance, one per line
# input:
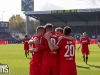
<point x="28" y="39"/>
<point x="43" y="41"/>
<point x="32" y="38"/>
<point x="40" y="47"/>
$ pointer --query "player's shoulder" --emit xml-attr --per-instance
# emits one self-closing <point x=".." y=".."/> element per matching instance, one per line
<point x="43" y="38"/>
<point x="35" y="36"/>
<point x="81" y="37"/>
<point x="52" y="33"/>
<point x="88" y="38"/>
<point x="61" y="38"/>
<point x="84" y="38"/>
<point x="54" y="36"/>
<point x="64" y="40"/>
<point x="28" y="38"/>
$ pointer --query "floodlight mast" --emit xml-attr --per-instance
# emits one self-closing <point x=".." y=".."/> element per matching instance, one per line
<point x="27" y="25"/>
<point x="2" y="15"/>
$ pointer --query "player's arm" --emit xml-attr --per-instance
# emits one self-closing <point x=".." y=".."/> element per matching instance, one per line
<point x="30" y="42"/>
<point x="68" y="37"/>
<point x="32" y="50"/>
<point x="51" y="46"/>
<point x="40" y="47"/>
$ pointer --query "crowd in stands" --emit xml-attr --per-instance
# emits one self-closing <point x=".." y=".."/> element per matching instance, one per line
<point x="91" y="31"/>
<point x="5" y="36"/>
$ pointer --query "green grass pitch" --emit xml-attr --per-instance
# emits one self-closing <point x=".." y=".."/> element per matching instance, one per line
<point x="13" y="55"/>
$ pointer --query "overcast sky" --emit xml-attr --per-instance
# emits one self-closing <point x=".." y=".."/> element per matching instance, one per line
<point x="11" y="7"/>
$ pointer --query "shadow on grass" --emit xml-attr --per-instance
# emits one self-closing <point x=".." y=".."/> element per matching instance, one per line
<point x="29" y="58"/>
<point x="93" y="66"/>
<point x="1" y="63"/>
<point x="82" y="67"/>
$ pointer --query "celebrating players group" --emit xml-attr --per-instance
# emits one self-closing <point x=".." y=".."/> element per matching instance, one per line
<point x="54" y="53"/>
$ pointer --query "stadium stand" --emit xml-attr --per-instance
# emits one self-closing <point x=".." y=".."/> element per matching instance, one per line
<point x="5" y="36"/>
<point x="91" y="30"/>
<point x="80" y="20"/>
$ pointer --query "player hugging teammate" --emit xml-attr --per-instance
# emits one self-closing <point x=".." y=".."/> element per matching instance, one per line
<point x="53" y="54"/>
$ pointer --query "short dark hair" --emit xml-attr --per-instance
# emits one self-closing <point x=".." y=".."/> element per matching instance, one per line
<point x="25" y="35"/>
<point x="67" y="31"/>
<point x="39" y="28"/>
<point x="48" y="26"/>
<point x="59" y="29"/>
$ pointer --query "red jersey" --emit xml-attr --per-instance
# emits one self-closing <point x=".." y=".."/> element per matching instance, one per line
<point x="67" y="50"/>
<point x="67" y="63"/>
<point x="35" y="63"/>
<point x="26" y="45"/>
<point x="50" y="57"/>
<point x="36" y="56"/>
<point x="85" y="41"/>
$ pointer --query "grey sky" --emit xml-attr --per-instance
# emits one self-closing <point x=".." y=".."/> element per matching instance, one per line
<point x="14" y="6"/>
<point x="66" y="4"/>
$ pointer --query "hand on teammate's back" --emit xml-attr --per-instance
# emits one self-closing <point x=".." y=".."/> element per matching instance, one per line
<point x="36" y="41"/>
<point x="32" y="50"/>
<point x="30" y="42"/>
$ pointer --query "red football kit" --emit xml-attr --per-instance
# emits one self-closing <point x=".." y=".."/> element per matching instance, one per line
<point x="35" y="63"/>
<point x="26" y="45"/>
<point x="67" y="65"/>
<point x="85" y="41"/>
<point x="50" y="58"/>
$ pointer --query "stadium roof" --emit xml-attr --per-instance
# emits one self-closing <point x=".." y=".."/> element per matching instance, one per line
<point x="66" y="15"/>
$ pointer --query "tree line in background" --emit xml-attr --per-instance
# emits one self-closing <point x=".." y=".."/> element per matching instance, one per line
<point x="18" y="24"/>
